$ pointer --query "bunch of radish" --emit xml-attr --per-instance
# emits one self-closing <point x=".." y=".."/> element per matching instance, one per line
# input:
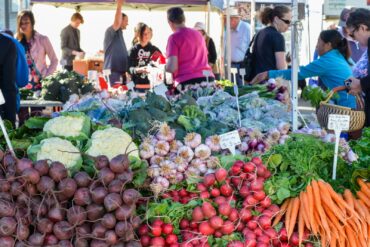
<point x="183" y="196"/>
<point x="158" y="234"/>
<point x="40" y="205"/>
<point x="293" y="241"/>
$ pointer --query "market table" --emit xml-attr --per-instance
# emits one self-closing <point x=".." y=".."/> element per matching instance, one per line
<point x="56" y="105"/>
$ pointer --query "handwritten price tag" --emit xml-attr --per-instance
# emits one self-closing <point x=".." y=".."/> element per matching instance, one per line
<point x="161" y="90"/>
<point x="131" y="85"/>
<point x="338" y="122"/>
<point x="229" y="140"/>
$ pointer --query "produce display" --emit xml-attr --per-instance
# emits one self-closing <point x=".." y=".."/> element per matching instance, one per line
<point x="122" y="170"/>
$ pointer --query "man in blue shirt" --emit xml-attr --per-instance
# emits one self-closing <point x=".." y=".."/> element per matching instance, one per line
<point x="240" y="38"/>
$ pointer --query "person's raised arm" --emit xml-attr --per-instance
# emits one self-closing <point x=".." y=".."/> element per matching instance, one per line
<point x="118" y="16"/>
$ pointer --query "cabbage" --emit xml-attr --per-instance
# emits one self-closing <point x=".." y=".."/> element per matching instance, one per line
<point x="111" y="142"/>
<point x="57" y="149"/>
<point x="71" y="125"/>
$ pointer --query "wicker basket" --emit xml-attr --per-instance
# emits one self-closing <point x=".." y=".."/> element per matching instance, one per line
<point x="357" y="117"/>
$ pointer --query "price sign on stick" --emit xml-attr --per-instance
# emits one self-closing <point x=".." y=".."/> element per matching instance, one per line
<point x="107" y="73"/>
<point x="207" y="74"/>
<point x="161" y="90"/>
<point x="229" y="140"/>
<point x="242" y="74"/>
<point x="236" y="92"/>
<point x="131" y="86"/>
<point x="338" y="123"/>
<point x="2" y="101"/>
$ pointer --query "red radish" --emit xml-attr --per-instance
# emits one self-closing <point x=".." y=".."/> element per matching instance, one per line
<point x="258" y="231"/>
<point x="197" y="214"/>
<point x="267" y="174"/>
<point x="224" y="209"/>
<point x="167" y="229"/>
<point x="227" y="228"/>
<point x="171" y="239"/>
<point x="259" y="195"/>
<point x="176" y="198"/>
<point x="219" y="200"/>
<point x="265" y="222"/>
<point x="175" y="245"/>
<point x="208" y="210"/>
<point x="261" y="171"/>
<point x="183" y="192"/>
<point x="283" y="235"/>
<point x="143" y="230"/>
<point x="263" y="239"/>
<point x="218" y="234"/>
<point x="185" y="200"/>
<point x="157" y="241"/>
<point x="221" y="174"/>
<point x="252" y="224"/>
<point x="226" y="190"/>
<point x="234" y="215"/>
<point x="243" y="176"/>
<point x="249" y="167"/>
<point x="236" y="168"/>
<point x="206" y="229"/>
<point x="309" y="245"/>
<point x="251" y="200"/>
<point x="235" y="244"/>
<point x="285" y="245"/>
<point x="236" y="181"/>
<point x="268" y="213"/>
<point x="251" y="177"/>
<point x="240" y="226"/>
<point x="257" y="160"/>
<point x="266" y="202"/>
<point x="276" y="242"/>
<point x="259" y="209"/>
<point x="256" y="185"/>
<point x="245" y="215"/>
<point x="158" y="222"/>
<point x="244" y="191"/>
<point x="166" y="195"/>
<point x="184" y="223"/>
<point x="271" y="233"/>
<point x="215" y="192"/>
<point x="294" y="240"/>
<point x="248" y="234"/>
<point x="156" y="230"/>
<point x="250" y="243"/>
<point x="193" y="225"/>
<point x="274" y="208"/>
<point x="145" y="240"/>
<point x="201" y="187"/>
<point x="205" y="195"/>
<point x="216" y="222"/>
<point x="209" y="180"/>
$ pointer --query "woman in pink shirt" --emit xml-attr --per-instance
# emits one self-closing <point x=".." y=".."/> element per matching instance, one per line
<point x="187" y="56"/>
<point x="37" y="47"/>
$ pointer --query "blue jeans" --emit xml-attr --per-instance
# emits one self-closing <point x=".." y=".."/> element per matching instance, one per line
<point x="239" y="79"/>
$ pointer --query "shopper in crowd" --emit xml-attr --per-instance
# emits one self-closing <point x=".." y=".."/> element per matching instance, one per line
<point x="21" y="76"/>
<point x="358" y="24"/>
<point x="357" y="50"/>
<point x="140" y="57"/>
<point x="212" y="53"/>
<point x="333" y="66"/>
<point x="115" y="51"/>
<point x="37" y="47"/>
<point x="240" y="37"/>
<point x="135" y="40"/>
<point x="8" y="60"/>
<point x="70" y="42"/>
<point x="186" y="52"/>
<point x="269" y="44"/>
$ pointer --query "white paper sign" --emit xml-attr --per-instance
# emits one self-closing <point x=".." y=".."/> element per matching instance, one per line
<point x="338" y="122"/>
<point x="234" y="70"/>
<point x="161" y="90"/>
<point x="229" y="140"/>
<point x="2" y="100"/>
<point x="131" y="85"/>
<point x="106" y="72"/>
<point x="242" y="74"/>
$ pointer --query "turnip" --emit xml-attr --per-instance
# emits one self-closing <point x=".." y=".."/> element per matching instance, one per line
<point x="7" y="208"/>
<point x="4" y="185"/>
<point x="206" y="229"/>
<point x="56" y="214"/>
<point x="31" y="175"/>
<point x="109" y="221"/>
<point x="45" y="225"/>
<point x="50" y="239"/>
<point x="130" y="196"/>
<point x="76" y="215"/>
<point x="65" y="243"/>
<point x="16" y="188"/>
<point x="57" y="171"/>
<point x="111" y="237"/>
<point x="98" y="194"/>
<point x="124" y="212"/>
<point x="23" y="164"/>
<point x="8" y="226"/>
<point x="42" y="167"/>
<point x="82" y="197"/>
<point x="82" y="179"/>
<point x="101" y="161"/>
<point x="23" y="231"/>
<point x="7" y="242"/>
<point x="36" y="239"/>
<point x="45" y="184"/>
<point x="126" y="177"/>
<point x="106" y="175"/>
<point x="98" y="230"/>
<point x="119" y="164"/>
<point x="67" y="187"/>
<point x="94" y="211"/>
<point x="116" y="186"/>
<point x="98" y="243"/>
<point x="62" y="230"/>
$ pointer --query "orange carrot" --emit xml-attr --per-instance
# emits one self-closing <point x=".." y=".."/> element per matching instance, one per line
<point x="304" y="205"/>
<point x="311" y="207"/>
<point x="361" y="195"/>
<point x="348" y="198"/>
<point x="281" y="213"/>
<point x="300" y="224"/>
<point x="342" y="239"/>
<point x="320" y="210"/>
<point x="293" y="216"/>
<point x="288" y="214"/>
<point x="350" y="236"/>
<point x="340" y="212"/>
<point x="364" y="188"/>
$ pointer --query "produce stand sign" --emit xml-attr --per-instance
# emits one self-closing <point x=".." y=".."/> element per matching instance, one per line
<point x="161" y="90"/>
<point x="229" y="140"/>
<point x="131" y="85"/>
<point x="337" y="123"/>
<point x="207" y="74"/>
<point x="242" y="74"/>
<point x="234" y="71"/>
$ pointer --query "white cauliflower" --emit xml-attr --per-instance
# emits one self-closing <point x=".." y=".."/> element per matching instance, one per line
<point x="57" y="149"/>
<point x="112" y="142"/>
<point x="71" y="125"/>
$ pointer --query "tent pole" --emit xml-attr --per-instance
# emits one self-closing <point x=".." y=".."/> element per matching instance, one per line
<point x="253" y="14"/>
<point x="228" y="41"/>
<point x="295" y="63"/>
<point x="208" y="17"/>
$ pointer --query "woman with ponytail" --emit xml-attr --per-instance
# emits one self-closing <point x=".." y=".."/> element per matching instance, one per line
<point x="333" y="66"/>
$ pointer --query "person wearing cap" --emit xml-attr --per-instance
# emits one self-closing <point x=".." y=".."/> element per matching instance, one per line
<point x="357" y="50"/>
<point x="212" y="53"/>
<point x="240" y="38"/>
<point x="70" y="42"/>
<point x="186" y="52"/>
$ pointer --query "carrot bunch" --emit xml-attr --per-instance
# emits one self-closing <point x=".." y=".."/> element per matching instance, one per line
<point x="342" y="221"/>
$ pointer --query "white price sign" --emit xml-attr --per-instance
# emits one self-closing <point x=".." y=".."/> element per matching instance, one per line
<point x="161" y="90"/>
<point x="229" y="140"/>
<point x="131" y="85"/>
<point x="2" y="100"/>
<point x="338" y="122"/>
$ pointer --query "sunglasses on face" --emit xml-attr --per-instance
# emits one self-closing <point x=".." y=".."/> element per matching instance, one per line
<point x="288" y="22"/>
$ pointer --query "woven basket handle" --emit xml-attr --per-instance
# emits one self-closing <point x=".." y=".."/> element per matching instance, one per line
<point x="333" y="91"/>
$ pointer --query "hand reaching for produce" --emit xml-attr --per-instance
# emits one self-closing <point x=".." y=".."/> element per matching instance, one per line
<point x="260" y="77"/>
<point x="142" y="70"/>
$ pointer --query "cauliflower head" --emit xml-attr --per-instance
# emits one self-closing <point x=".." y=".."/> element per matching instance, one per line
<point x="111" y="142"/>
<point x="57" y="149"/>
<point x="75" y="126"/>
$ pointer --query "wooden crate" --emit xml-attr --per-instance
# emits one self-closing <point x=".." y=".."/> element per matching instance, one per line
<point x="84" y="65"/>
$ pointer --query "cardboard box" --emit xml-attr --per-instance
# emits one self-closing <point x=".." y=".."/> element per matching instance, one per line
<point x="84" y="65"/>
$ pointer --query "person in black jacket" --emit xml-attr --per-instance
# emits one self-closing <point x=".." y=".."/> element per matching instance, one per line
<point x="358" y="24"/>
<point x="70" y="42"/>
<point x="212" y="53"/>
<point x="140" y="56"/>
<point x="8" y="59"/>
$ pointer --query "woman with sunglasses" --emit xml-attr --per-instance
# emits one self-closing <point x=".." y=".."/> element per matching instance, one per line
<point x="269" y="43"/>
<point x="358" y="24"/>
<point x="333" y="66"/>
